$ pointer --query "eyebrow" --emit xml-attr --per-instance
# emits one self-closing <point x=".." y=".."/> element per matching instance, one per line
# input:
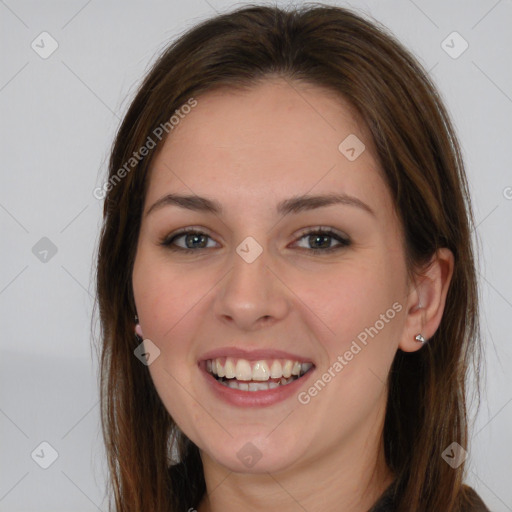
<point x="292" y="205"/>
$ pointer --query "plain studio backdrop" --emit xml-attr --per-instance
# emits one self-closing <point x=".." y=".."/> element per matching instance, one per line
<point x="68" y="72"/>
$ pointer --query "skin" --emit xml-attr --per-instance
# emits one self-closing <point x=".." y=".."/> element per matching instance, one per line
<point x="249" y="150"/>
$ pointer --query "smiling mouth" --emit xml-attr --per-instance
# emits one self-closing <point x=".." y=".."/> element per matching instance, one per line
<point x="261" y="375"/>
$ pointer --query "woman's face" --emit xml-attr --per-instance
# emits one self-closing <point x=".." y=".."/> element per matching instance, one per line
<point x="260" y="289"/>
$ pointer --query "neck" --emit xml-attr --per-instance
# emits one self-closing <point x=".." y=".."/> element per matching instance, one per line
<point x="350" y="478"/>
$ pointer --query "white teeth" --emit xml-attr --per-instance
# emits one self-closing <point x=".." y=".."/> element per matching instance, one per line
<point x="255" y="386"/>
<point x="287" y="368"/>
<point x="296" y="369"/>
<point x="276" y="370"/>
<point x="258" y="386"/>
<point x="260" y="371"/>
<point x="229" y="368"/>
<point x="243" y="370"/>
<point x="220" y="369"/>
<point x="305" y="367"/>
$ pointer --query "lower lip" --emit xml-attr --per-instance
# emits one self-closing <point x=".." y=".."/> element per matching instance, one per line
<point x="255" y="398"/>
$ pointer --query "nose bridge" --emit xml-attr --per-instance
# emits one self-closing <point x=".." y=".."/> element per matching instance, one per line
<point x="251" y="291"/>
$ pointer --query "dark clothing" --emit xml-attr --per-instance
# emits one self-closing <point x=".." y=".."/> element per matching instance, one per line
<point x="386" y="502"/>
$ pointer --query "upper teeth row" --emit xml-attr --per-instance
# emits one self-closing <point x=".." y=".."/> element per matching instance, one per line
<point x="242" y="369"/>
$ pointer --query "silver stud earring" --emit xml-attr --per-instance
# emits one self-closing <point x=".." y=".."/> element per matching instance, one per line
<point x="420" y="339"/>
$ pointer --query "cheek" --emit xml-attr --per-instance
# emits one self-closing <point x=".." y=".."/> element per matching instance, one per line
<point x="171" y="301"/>
<point x="164" y="295"/>
<point x="361" y="304"/>
<point x="165" y="305"/>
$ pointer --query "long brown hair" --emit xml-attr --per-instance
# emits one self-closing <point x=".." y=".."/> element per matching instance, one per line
<point x="417" y="148"/>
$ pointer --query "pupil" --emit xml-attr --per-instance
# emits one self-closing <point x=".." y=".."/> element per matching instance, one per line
<point x="193" y="238"/>
<point x="319" y="237"/>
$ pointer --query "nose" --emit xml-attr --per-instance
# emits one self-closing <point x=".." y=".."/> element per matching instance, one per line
<point x="251" y="295"/>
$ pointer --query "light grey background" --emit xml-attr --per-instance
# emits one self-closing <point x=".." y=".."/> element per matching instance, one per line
<point x="58" y="118"/>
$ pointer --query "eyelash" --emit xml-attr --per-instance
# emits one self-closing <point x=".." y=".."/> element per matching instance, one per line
<point x="343" y="242"/>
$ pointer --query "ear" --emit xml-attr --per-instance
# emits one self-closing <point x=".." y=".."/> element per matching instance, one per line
<point x="426" y="300"/>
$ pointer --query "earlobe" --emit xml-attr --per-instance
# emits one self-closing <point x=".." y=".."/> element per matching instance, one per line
<point x="138" y="328"/>
<point x="427" y="301"/>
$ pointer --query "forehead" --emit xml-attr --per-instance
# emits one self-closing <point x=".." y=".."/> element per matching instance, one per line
<point x="278" y="138"/>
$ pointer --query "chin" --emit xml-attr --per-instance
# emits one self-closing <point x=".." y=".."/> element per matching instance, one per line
<point x="256" y="454"/>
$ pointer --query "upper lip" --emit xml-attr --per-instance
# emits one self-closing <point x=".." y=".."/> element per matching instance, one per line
<point x="253" y="355"/>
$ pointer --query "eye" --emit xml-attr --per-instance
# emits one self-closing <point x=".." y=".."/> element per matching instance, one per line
<point x="193" y="240"/>
<point x="320" y="240"/>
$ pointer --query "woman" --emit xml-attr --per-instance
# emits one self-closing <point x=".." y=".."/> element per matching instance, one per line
<point x="287" y="233"/>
